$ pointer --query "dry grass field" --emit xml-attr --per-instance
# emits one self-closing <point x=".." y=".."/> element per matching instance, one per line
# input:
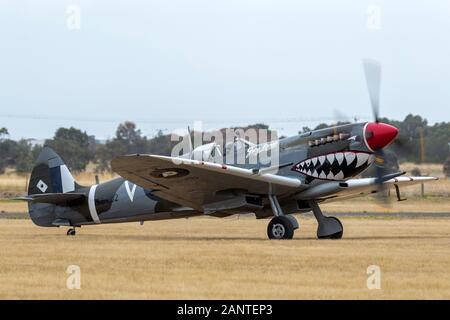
<point x="226" y="259"/>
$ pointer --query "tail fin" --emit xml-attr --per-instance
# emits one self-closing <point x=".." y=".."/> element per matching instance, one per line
<point x="50" y="183"/>
<point x="51" y="175"/>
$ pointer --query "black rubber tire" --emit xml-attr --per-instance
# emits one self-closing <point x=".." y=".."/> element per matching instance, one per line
<point x="71" y="232"/>
<point x="335" y="236"/>
<point x="280" y="228"/>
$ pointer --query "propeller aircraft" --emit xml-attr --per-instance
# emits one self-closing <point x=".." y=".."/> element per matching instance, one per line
<point x="313" y="168"/>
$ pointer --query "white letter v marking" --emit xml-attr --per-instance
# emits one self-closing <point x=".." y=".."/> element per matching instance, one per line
<point x="130" y="191"/>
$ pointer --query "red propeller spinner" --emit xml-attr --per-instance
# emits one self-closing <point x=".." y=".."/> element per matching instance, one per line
<point x="379" y="135"/>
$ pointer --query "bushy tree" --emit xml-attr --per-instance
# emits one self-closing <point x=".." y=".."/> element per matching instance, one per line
<point x="128" y="140"/>
<point x="160" y="144"/>
<point x="105" y="153"/>
<point x="24" y="157"/>
<point x="415" y="134"/>
<point x="19" y="155"/>
<point x="73" y="146"/>
<point x="7" y="154"/>
<point x="437" y="148"/>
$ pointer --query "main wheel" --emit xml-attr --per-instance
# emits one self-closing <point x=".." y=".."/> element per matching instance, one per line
<point x="280" y="228"/>
<point x="335" y="229"/>
<point x="71" y="232"/>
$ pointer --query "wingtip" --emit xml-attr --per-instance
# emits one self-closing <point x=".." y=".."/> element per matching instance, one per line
<point x="427" y="178"/>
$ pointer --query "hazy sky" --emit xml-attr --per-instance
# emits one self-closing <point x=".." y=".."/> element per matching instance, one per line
<point x="166" y="63"/>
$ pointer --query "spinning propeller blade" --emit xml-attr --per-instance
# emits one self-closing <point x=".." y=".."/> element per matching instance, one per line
<point x="191" y="147"/>
<point x="372" y="70"/>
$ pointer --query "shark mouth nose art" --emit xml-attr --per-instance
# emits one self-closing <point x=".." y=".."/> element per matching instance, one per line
<point x="335" y="166"/>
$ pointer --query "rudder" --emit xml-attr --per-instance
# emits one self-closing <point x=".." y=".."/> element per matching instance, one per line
<point x="50" y="175"/>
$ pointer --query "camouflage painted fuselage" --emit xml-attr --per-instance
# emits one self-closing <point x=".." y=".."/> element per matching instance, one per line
<point x="110" y="202"/>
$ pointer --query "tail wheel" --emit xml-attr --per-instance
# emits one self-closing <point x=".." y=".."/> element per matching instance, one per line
<point x="280" y="228"/>
<point x="71" y="232"/>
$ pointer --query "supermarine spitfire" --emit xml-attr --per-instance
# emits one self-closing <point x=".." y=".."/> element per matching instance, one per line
<point x="313" y="168"/>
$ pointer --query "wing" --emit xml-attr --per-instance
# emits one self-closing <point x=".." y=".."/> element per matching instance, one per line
<point x="197" y="184"/>
<point x="355" y="187"/>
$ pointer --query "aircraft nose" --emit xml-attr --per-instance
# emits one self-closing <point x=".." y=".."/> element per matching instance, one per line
<point x="379" y="135"/>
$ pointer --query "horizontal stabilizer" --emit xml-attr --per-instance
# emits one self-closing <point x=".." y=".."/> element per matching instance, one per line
<point x="52" y="198"/>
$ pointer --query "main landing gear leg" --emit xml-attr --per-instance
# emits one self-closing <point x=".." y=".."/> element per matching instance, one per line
<point x="282" y="226"/>
<point x="329" y="227"/>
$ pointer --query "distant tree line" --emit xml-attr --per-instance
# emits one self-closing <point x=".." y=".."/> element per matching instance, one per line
<point x="17" y="154"/>
<point x="129" y="140"/>
<point x="417" y="142"/>
<point x="79" y="149"/>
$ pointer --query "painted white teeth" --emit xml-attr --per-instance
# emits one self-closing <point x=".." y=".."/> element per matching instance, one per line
<point x="362" y="158"/>
<point x="310" y="166"/>
<point x="339" y="176"/>
<point x="339" y="157"/>
<point x="322" y="159"/>
<point x="350" y="157"/>
<point x="330" y="158"/>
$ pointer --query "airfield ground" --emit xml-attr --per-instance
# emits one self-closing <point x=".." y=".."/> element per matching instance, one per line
<point x="227" y="259"/>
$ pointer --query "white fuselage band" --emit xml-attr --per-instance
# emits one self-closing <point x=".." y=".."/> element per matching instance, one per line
<point x="91" y="202"/>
